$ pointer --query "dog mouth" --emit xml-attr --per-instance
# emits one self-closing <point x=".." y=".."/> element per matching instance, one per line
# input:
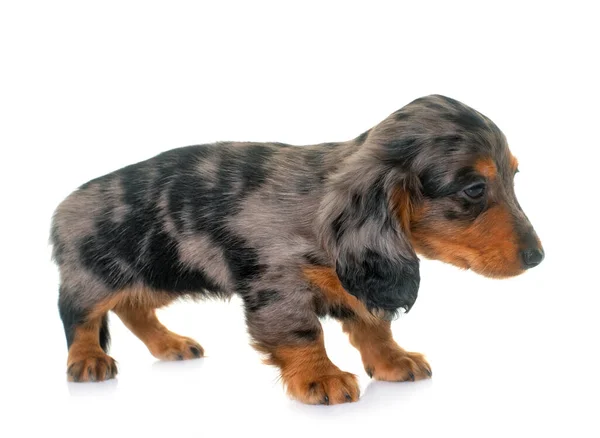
<point x="488" y="265"/>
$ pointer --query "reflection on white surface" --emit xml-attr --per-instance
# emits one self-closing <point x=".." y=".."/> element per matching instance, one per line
<point x="183" y="366"/>
<point x="93" y="389"/>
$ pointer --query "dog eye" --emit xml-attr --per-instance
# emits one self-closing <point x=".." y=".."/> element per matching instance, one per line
<point x="476" y="191"/>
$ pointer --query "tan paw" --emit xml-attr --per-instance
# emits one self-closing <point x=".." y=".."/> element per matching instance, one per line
<point x="175" y="347"/>
<point x="326" y="389"/>
<point x="94" y="368"/>
<point x="401" y="366"/>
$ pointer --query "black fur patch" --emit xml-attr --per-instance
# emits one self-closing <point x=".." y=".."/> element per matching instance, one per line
<point x="336" y="226"/>
<point x="314" y="259"/>
<point x="207" y="204"/>
<point x="314" y="161"/>
<point x="254" y="166"/>
<point x="401" y="152"/>
<point x="307" y="335"/>
<point x="451" y="142"/>
<point x="466" y="119"/>
<point x="452" y="104"/>
<point x="163" y="271"/>
<point x="440" y="181"/>
<point x="260" y="299"/>
<point x="401" y="115"/>
<point x="71" y="315"/>
<point x="451" y="215"/>
<point x="305" y="184"/>
<point x="97" y="254"/>
<point x="381" y="283"/>
<point x="362" y="137"/>
<point x="104" y="334"/>
<point x="363" y="206"/>
<point x="138" y="249"/>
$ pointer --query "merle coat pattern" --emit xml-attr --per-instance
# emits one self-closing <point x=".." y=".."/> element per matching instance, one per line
<point x="247" y="218"/>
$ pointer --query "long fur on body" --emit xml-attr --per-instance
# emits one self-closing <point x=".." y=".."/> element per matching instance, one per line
<point x="296" y="232"/>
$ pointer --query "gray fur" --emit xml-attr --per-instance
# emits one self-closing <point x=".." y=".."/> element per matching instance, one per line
<point x="245" y="218"/>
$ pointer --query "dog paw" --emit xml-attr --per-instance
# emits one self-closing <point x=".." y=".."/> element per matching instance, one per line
<point x="400" y="367"/>
<point x="94" y="368"/>
<point x="332" y="388"/>
<point x="175" y="347"/>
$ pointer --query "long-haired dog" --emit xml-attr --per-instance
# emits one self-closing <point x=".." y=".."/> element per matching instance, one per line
<point x="298" y="233"/>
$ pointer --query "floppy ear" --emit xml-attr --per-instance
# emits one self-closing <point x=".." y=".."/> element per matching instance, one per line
<point x="362" y="222"/>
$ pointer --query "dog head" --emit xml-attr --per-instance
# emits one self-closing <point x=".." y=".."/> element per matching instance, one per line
<point x="434" y="178"/>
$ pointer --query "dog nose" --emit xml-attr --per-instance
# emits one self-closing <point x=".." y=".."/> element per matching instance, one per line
<point x="532" y="257"/>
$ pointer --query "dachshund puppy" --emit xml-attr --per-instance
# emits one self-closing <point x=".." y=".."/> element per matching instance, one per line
<point x="298" y="233"/>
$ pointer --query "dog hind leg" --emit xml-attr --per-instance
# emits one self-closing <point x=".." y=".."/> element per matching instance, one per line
<point x="86" y="330"/>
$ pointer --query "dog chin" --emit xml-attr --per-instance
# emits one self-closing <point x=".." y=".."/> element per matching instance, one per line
<point x="498" y="275"/>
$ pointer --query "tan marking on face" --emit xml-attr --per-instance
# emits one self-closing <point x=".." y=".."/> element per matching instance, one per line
<point x="488" y="246"/>
<point x="514" y="163"/>
<point x="486" y="167"/>
<point x="403" y="207"/>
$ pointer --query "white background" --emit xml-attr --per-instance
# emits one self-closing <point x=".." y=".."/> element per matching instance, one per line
<point x="89" y="87"/>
